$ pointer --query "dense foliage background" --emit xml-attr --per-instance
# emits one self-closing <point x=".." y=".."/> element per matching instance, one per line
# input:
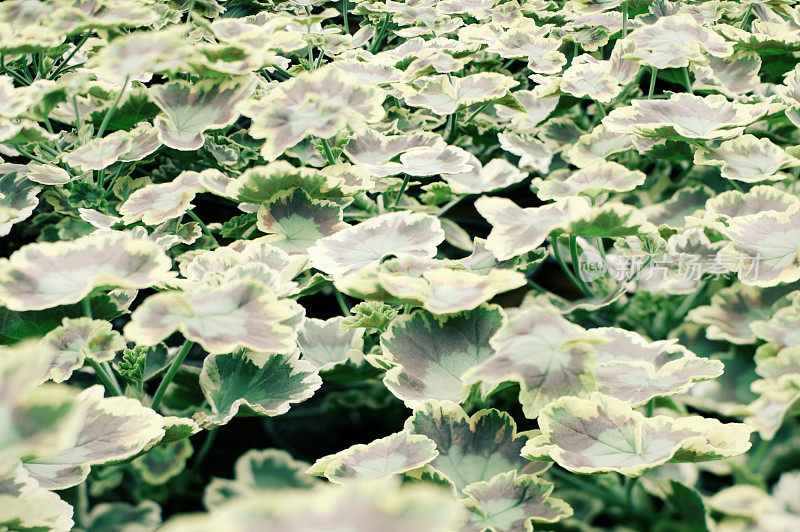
<point x="377" y="265"/>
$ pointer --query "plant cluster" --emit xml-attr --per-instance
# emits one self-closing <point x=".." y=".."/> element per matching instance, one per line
<point x="379" y="265"/>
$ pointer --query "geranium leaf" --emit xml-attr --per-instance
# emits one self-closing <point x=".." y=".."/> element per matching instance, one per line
<point x="369" y="242"/>
<point x="327" y="343"/>
<point x="18" y="196"/>
<point x="471" y="448"/>
<point x="114" y="428"/>
<point x="382" y="458"/>
<point x="44" y="275"/>
<point x="601" y="433"/>
<point x="684" y="116"/>
<point x="244" y="313"/>
<point x="268" y="384"/>
<point x="297" y="221"/>
<point x="547" y="355"/>
<point x="430" y="353"/>
<point x="512" y="502"/>
<point x="192" y="108"/>
<point x="78" y="339"/>
<point x="270" y="469"/>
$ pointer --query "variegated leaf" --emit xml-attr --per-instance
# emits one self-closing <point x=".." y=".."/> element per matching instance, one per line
<point x="297" y="221"/>
<point x="548" y="357"/>
<point x="380" y="459"/>
<point x="429" y="353"/>
<point x="509" y="502"/>
<point x="684" y="116"/>
<point x="327" y="343"/>
<point x="471" y="448"/>
<point x="44" y="275"/>
<point x="114" y="428"/>
<point x="223" y="318"/>
<point x="360" y="506"/>
<point x="192" y="108"/>
<point x="256" y="470"/>
<point x="369" y="242"/>
<point x="267" y="384"/>
<point x="601" y="433"/>
<point x="78" y="339"/>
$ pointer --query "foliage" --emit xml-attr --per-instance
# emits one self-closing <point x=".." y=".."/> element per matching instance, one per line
<point x="446" y="265"/>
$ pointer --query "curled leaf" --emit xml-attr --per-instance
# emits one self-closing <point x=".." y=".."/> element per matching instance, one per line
<point x="380" y="459"/>
<point x="233" y="315"/>
<point x="114" y="428"/>
<point x="78" y="339"/>
<point x="369" y="242"/>
<point x="267" y="384"/>
<point x="601" y="433"/>
<point x="512" y="502"/>
<point x="44" y="275"/>
<point x="430" y="353"/>
<point x="471" y="448"/>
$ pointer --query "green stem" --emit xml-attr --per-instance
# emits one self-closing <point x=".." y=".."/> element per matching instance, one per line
<point x="476" y="113"/>
<point x="344" y="16"/>
<point x="65" y="63"/>
<point x="28" y="155"/>
<point x="600" y="114"/>
<point x="77" y="113"/>
<point x="625" y="18"/>
<point x="449" y="205"/>
<point x="601" y="110"/>
<point x="111" y="109"/>
<point x="110" y="372"/>
<point x="381" y="34"/>
<point x="687" y="80"/>
<point x="610" y="496"/>
<point x="173" y="369"/>
<point x="653" y="76"/>
<point x="567" y="270"/>
<point x="340" y="299"/>
<point x="202" y="225"/>
<point x="687" y="304"/>
<point x="402" y="190"/>
<point x="189" y="11"/>
<point x="746" y="16"/>
<point x="112" y="387"/>
<point x="630" y="484"/>
<point x="114" y="177"/>
<point x="573" y="252"/>
<point x="452" y="127"/>
<point x="757" y="457"/>
<point x="731" y="181"/>
<point x="282" y="71"/>
<point x="53" y="153"/>
<point x="537" y="286"/>
<point x="204" y="449"/>
<point x="328" y="153"/>
<point x="11" y="73"/>
<point x="103" y="370"/>
<point x="78" y="497"/>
